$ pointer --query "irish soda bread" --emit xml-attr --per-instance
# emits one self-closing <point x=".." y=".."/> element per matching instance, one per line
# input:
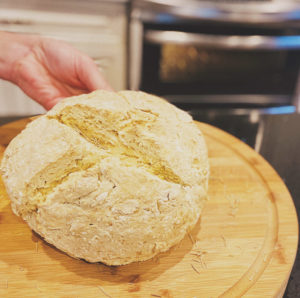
<point x="109" y="177"/>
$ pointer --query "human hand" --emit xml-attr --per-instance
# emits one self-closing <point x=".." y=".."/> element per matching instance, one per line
<point x="47" y="70"/>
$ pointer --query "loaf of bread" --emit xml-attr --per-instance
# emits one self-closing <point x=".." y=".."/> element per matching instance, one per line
<point x="109" y="177"/>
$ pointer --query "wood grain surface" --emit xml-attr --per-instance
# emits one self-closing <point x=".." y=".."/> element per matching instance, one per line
<point x="244" y="244"/>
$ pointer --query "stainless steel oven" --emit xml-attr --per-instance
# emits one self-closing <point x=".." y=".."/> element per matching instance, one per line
<point x="211" y="53"/>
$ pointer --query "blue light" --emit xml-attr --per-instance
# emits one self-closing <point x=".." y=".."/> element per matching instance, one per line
<point x="165" y="18"/>
<point x="281" y="110"/>
<point x="288" y="42"/>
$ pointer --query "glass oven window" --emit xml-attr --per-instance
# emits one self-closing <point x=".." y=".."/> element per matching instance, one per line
<point x="193" y="64"/>
<point x="184" y="69"/>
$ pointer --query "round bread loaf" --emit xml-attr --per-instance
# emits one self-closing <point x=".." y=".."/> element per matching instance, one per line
<point x="109" y="177"/>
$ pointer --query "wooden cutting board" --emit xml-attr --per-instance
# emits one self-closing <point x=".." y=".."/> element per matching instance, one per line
<point x="244" y="244"/>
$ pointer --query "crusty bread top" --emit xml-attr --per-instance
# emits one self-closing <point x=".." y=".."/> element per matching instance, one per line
<point x="146" y="124"/>
<point x="110" y="177"/>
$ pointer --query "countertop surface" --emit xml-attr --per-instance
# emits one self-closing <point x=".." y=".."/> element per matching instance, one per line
<point x="276" y="137"/>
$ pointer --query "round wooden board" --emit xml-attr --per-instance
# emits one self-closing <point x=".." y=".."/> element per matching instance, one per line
<point x="244" y="244"/>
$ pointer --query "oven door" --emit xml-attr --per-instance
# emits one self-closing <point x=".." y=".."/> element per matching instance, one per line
<point x="207" y="68"/>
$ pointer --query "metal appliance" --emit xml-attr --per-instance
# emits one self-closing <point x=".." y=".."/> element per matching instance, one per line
<point x="227" y="53"/>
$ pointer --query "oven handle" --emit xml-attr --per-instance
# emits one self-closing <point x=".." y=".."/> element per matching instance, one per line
<point x="224" y="42"/>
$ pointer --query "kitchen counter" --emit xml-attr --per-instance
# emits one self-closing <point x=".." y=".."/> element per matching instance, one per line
<point x="276" y="137"/>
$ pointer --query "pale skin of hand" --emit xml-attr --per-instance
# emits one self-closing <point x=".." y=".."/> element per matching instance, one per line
<point x="47" y="70"/>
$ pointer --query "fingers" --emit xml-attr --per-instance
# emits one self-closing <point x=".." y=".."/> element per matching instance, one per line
<point x="34" y="79"/>
<point x="53" y="70"/>
<point x="71" y="66"/>
<point x="89" y="74"/>
<point x="64" y="91"/>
